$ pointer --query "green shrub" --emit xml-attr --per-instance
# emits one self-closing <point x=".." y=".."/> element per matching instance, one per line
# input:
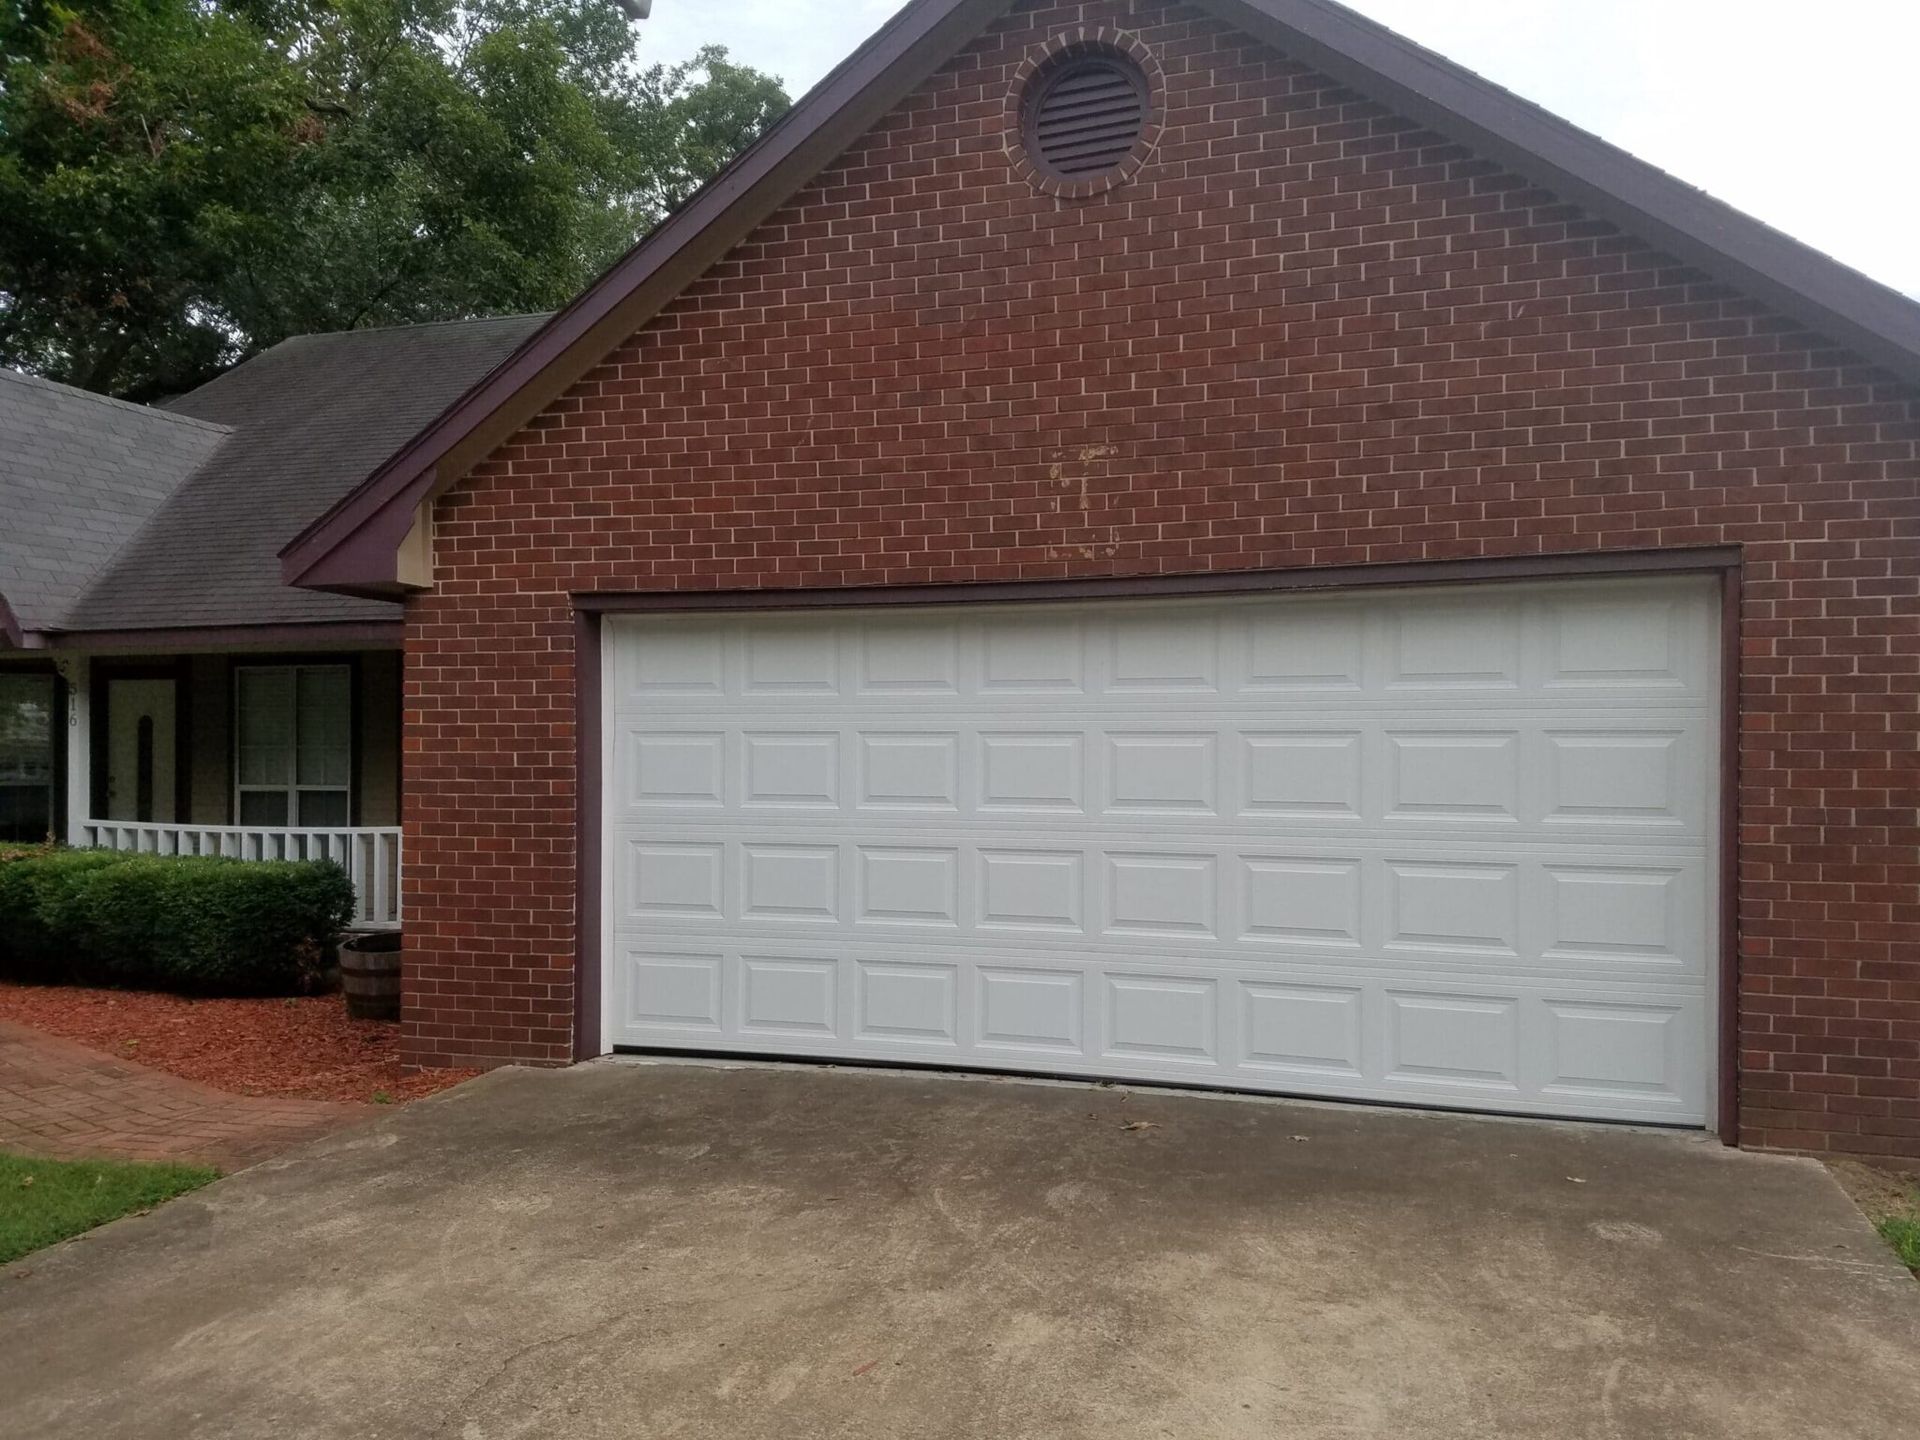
<point x="35" y="886"/>
<point x="198" y="924"/>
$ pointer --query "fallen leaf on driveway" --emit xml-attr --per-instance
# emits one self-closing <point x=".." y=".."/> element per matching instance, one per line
<point x="1301" y="1138"/>
<point x="1140" y="1125"/>
<point x="1576" y="1180"/>
<point x="863" y="1369"/>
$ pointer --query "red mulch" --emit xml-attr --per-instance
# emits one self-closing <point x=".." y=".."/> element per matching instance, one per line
<point x="303" y="1047"/>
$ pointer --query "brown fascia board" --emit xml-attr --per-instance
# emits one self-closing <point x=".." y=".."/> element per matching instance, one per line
<point x="352" y="549"/>
<point x="322" y="635"/>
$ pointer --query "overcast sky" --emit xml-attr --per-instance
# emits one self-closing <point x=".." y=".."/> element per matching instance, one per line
<point x="1801" y="114"/>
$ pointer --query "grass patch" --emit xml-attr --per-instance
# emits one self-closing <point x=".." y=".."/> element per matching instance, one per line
<point x="42" y="1201"/>
<point x="1902" y="1232"/>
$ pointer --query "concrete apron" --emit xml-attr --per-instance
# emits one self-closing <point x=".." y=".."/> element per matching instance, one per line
<point x="742" y="1251"/>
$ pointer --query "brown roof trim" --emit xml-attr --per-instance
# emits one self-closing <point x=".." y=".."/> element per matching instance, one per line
<point x="353" y="548"/>
<point x="368" y="634"/>
<point x="1553" y="565"/>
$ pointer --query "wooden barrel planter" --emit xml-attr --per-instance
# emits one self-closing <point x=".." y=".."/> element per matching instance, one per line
<point x="370" y="975"/>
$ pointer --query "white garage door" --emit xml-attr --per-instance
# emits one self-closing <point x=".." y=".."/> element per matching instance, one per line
<point x="1449" y="846"/>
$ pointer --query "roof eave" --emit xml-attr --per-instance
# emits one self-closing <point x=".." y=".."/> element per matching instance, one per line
<point x="317" y="634"/>
<point x="12" y="636"/>
<point x="365" y="561"/>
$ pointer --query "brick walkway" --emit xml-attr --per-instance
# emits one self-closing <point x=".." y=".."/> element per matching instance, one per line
<point x="65" y="1101"/>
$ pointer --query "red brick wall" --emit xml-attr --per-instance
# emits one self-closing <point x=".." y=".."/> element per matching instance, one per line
<point x="1307" y="333"/>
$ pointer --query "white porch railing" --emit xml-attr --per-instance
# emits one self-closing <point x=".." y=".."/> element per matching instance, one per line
<point x="371" y="857"/>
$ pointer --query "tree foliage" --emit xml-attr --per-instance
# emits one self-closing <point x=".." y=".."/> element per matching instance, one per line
<point x="184" y="182"/>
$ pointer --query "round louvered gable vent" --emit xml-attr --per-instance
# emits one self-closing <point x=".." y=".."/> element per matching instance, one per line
<point x="1085" y="115"/>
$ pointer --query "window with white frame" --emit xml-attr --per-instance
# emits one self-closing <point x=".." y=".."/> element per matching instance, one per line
<point x="293" y="745"/>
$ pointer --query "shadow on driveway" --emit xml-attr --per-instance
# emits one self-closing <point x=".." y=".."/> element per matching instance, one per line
<point x="686" y="1251"/>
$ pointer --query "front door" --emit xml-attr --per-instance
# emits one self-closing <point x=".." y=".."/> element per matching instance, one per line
<point x="140" y="750"/>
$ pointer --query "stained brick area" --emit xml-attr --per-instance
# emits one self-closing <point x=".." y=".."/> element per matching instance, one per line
<point x="1307" y="333"/>
<point x="66" y="1101"/>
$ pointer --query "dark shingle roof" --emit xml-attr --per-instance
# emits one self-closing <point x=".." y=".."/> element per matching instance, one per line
<point x="79" y="475"/>
<point x="310" y="419"/>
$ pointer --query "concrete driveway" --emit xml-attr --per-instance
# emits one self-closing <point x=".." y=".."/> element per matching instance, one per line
<point x="662" y="1251"/>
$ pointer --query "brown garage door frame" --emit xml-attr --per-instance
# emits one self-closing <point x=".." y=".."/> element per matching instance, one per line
<point x="590" y="608"/>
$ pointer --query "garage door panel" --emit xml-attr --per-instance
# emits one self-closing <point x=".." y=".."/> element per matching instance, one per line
<point x="790" y="769"/>
<point x="915" y="657"/>
<point x="1312" y="901"/>
<point x="1530" y="1047"/>
<point x="1094" y="954"/>
<point x="671" y="994"/>
<point x="1437" y="1040"/>
<point x="669" y="880"/>
<point x="1165" y="894"/>
<point x="790" y="660"/>
<point x="1312" y="1033"/>
<point x="907" y="1003"/>
<point x="1172" y="1019"/>
<point x="1457" y="647"/>
<point x="1653" y="778"/>
<point x="686" y="661"/>
<point x="1324" y="654"/>
<point x="1030" y="1009"/>
<point x="1164" y="655"/>
<point x="1030" y="772"/>
<point x="663" y="770"/>
<point x="1453" y="776"/>
<point x="1450" y="908"/>
<point x="1611" y="1052"/>
<point x="1347" y="773"/>
<point x="1570" y="912"/>
<point x="907" y="885"/>
<point x="1449" y="848"/>
<point x="905" y="770"/>
<point x="1651" y="917"/>
<point x="1030" y="890"/>
<point x="1160" y="773"/>
<point x="1446" y="645"/>
<point x="1028" y="656"/>
<point x="787" y="884"/>
<point x="1645" y="642"/>
<point x="1282" y="776"/>
<point x="787" y="995"/>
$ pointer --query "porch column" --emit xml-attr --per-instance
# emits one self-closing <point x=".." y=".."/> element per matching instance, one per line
<point x="77" y="671"/>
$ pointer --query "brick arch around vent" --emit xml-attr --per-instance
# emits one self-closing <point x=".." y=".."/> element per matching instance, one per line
<point x="1091" y="42"/>
<point x="1308" y="332"/>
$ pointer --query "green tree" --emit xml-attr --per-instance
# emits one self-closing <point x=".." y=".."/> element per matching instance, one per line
<point x="184" y="182"/>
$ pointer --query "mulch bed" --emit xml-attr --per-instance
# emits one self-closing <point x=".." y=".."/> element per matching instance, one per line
<point x="306" y="1048"/>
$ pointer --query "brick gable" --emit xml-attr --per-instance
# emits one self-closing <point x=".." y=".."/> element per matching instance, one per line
<point x="1307" y="333"/>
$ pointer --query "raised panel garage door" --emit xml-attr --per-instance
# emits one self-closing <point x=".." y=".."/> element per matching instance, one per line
<point x="1450" y="846"/>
